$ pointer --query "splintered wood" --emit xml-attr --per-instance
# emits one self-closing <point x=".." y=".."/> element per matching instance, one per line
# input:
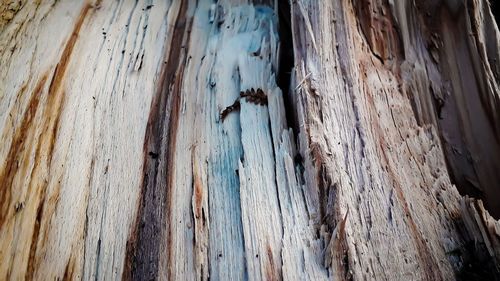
<point x="149" y="140"/>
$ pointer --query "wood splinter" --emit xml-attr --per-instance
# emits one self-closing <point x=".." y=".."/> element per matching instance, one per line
<point x="229" y="109"/>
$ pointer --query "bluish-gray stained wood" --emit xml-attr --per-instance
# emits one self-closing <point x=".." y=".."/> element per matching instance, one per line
<point x="161" y="140"/>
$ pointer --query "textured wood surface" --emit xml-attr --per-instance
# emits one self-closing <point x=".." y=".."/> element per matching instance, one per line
<point x="372" y="140"/>
<point x="145" y="140"/>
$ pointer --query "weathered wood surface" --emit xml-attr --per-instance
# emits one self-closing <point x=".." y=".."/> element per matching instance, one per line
<point x="150" y="140"/>
<point x="370" y="130"/>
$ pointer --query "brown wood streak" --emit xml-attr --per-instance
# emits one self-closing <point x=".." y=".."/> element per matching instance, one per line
<point x="36" y="232"/>
<point x="50" y="122"/>
<point x="271" y="271"/>
<point x="69" y="270"/>
<point x="9" y="167"/>
<point x="153" y="218"/>
<point x="198" y="190"/>
<point x="200" y="227"/>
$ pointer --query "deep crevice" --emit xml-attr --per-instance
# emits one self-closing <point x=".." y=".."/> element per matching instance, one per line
<point x="286" y="63"/>
<point x="495" y="5"/>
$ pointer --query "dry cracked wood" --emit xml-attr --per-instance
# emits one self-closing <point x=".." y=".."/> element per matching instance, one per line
<point x="132" y="145"/>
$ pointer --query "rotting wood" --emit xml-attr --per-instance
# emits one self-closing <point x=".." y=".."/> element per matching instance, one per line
<point x="150" y="140"/>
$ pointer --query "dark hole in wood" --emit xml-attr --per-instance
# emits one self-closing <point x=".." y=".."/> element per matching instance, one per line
<point x="286" y="63"/>
<point x="495" y="5"/>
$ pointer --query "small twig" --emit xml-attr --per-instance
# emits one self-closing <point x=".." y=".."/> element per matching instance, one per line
<point x="302" y="82"/>
<point x="229" y="109"/>
<point x="256" y="97"/>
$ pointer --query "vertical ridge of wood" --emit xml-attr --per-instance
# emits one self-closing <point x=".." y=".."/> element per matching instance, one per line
<point x="152" y="223"/>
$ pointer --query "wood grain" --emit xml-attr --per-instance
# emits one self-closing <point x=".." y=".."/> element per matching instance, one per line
<point x="151" y="140"/>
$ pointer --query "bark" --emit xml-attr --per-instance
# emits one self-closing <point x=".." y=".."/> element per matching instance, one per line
<point x="260" y="140"/>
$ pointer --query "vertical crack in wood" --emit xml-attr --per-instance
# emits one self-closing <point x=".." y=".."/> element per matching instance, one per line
<point x="286" y="64"/>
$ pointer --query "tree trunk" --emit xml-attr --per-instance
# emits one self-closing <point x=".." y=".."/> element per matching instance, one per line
<point x="310" y="140"/>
